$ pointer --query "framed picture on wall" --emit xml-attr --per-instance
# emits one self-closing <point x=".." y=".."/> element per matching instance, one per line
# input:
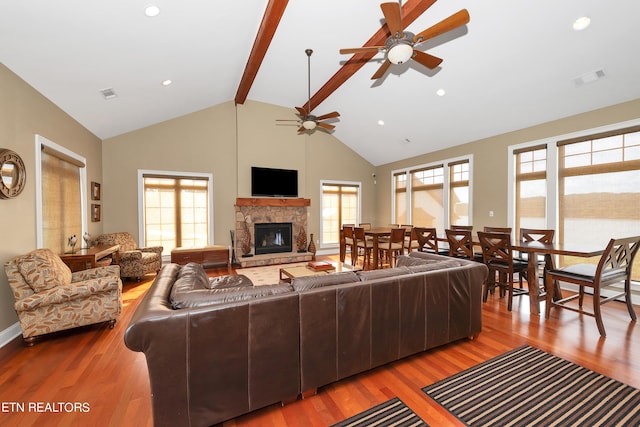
<point x="95" y="213"/>
<point x="95" y="190"/>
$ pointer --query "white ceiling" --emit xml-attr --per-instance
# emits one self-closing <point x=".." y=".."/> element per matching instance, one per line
<point x="511" y="67"/>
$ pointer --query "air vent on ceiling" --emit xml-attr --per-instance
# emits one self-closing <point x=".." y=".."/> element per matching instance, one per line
<point x="108" y="93"/>
<point x="589" y="77"/>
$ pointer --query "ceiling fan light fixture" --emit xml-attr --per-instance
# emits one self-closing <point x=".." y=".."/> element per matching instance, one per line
<point x="400" y="53"/>
<point x="309" y="124"/>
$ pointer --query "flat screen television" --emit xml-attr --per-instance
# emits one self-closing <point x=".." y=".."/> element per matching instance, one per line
<point x="269" y="182"/>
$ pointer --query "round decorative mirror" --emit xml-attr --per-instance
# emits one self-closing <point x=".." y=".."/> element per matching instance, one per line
<point x="12" y="174"/>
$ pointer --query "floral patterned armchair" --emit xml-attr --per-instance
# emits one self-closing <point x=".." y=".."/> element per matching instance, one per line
<point x="134" y="261"/>
<point x="50" y="298"/>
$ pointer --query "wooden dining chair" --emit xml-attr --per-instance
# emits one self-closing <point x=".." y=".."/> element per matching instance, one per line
<point x="364" y="245"/>
<point x="489" y="229"/>
<point x="497" y="255"/>
<point x="365" y="225"/>
<point x="426" y="239"/>
<point x="544" y="262"/>
<point x="349" y="241"/>
<point x="393" y="248"/>
<point x="461" y="244"/>
<point x="614" y="266"/>
<point x="461" y="227"/>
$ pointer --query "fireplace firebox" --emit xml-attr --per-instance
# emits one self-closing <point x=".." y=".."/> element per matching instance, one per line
<point x="273" y="237"/>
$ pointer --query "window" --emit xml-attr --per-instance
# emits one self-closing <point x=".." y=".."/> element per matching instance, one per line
<point x="583" y="185"/>
<point x="400" y="185"/>
<point x="433" y="195"/>
<point x="60" y="177"/>
<point x="340" y="205"/>
<point x="427" y="201"/>
<point x="531" y="188"/>
<point x="459" y="197"/>
<point x="177" y="210"/>
<point x="598" y="192"/>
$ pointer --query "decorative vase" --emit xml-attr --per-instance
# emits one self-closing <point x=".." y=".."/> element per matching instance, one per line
<point x="312" y="246"/>
<point x="302" y="240"/>
<point x="246" y="242"/>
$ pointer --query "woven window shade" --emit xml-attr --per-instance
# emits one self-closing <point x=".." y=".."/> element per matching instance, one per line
<point x="61" y="208"/>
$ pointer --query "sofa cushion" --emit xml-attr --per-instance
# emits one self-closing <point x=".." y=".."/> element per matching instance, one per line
<point x="42" y="270"/>
<point x="194" y="272"/>
<point x="230" y="281"/>
<point x="182" y="298"/>
<point x="317" y="281"/>
<point x="384" y="272"/>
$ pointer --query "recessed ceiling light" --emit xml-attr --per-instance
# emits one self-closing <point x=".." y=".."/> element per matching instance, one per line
<point x="440" y="92"/>
<point x="166" y="82"/>
<point x="581" y="23"/>
<point x="381" y="122"/>
<point x="151" y="11"/>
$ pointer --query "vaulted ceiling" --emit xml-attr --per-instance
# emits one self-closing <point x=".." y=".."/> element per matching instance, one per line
<point x="515" y="64"/>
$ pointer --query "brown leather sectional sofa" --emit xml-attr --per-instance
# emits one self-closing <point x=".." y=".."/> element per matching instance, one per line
<point x="232" y="350"/>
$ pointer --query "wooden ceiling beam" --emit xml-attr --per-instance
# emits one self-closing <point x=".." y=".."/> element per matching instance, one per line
<point x="410" y="12"/>
<point x="272" y="15"/>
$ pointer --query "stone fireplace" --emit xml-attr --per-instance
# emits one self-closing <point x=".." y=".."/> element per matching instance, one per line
<point x="264" y="212"/>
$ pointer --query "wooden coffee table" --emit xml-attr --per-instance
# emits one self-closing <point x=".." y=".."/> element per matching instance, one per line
<point x="289" y="273"/>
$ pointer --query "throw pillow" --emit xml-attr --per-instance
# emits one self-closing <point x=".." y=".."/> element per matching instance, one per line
<point x="43" y="270"/>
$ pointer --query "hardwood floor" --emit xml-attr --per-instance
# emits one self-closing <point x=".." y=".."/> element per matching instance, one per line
<point x="88" y="377"/>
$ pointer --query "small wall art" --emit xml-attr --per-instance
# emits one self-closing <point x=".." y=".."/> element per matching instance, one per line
<point x="95" y="212"/>
<point x="95" y="190"/>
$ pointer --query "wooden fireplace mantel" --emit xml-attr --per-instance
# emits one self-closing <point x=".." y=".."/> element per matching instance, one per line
<point x="272" y="201"/>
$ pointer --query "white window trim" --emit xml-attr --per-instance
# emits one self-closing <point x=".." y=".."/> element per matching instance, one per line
<point x="39" y="142"/>
<point x="552" y="180"/>
<point x="334" y="182"/>
<point x="142" y="172"/>
<point x="445" y="183"/>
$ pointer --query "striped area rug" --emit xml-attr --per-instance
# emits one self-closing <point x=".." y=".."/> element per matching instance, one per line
<point x="390" y="413"/>
<point x="528" y="387"/>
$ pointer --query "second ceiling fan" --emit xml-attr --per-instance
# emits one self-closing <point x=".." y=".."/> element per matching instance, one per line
<point x="309" y="122"/>
<point x="399" y="46"/>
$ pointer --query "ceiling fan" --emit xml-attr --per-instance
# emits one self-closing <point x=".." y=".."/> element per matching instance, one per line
<point x="399" y="46"/>
<point x="309" y="122"/>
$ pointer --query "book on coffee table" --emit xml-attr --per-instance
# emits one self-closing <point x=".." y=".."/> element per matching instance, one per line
<point x="320" y="265"/>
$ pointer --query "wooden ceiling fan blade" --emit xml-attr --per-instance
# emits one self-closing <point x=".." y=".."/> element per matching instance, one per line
<point x="363" y="49"/>
<point x="326" y="126"/>
<point x="425" y="59"/>
<point x="331" y="115"/>
<point x="456" y="20"/>
<point x="391" y="12"/>
<point x="301" y="129"/>
<point x="287" y="120"/>
<point x="302" y="111"/>
<point x="383" y="69"/>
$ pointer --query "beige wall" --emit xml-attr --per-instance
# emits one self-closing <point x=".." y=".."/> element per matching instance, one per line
<point x="205" y="142"/>
<point x="490" y="158"/>
<point x="23" y="114"/>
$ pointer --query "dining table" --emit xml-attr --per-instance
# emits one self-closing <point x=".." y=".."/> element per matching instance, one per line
<point x="375" y="233"/>
<point x="535" y="248"/>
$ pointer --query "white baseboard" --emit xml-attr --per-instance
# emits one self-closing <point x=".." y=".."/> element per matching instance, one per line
<point x="9" y="334"/>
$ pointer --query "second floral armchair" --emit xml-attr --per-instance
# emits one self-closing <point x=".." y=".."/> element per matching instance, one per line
<point x="135" y="262"/>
